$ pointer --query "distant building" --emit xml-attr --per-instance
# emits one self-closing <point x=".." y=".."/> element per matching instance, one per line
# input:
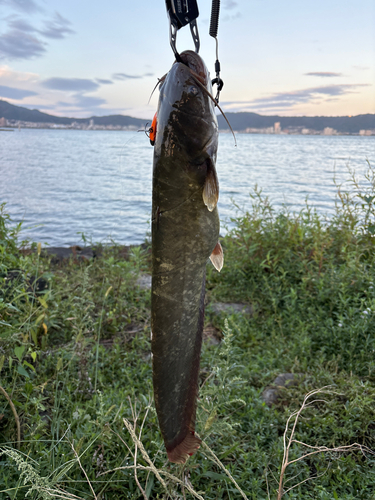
<point x="266" y="130"/>
<point x="367" y="132"/>
<point x="3" y="122"/>
<point x="329" y="131"/>
<point x="277" y="128"/>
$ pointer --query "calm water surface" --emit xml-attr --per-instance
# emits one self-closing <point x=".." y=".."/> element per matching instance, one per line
<point x="65" y="182"/>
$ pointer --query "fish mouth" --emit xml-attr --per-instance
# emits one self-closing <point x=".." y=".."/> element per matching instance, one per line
<point x="195" y="63"/>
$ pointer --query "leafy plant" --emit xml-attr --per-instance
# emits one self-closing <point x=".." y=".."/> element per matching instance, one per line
<point x="75" y="364"/>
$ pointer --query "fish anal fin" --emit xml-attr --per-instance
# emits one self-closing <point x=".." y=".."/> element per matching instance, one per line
<point x="185" y="449"/>
<point x="211" y="189"/>
<point x="217" y="257"/>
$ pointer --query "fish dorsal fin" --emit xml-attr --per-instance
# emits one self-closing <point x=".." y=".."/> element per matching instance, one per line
<point x="211" y="189"/>
<point x="217" y="257"/>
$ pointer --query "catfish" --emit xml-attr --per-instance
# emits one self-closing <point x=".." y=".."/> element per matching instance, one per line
<point x="185" y="232"/>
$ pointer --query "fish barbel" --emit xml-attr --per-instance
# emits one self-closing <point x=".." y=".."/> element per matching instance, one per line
<point x="185" y="232"/>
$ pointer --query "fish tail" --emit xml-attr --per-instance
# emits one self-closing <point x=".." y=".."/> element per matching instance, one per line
<point x="188" y="447"/>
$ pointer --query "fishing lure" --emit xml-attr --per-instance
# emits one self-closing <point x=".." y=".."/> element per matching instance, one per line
<point x="152" y="130"/>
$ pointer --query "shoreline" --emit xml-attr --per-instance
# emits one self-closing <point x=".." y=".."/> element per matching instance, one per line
<point x="84" y="253"/>
<point x="260" y="131"/>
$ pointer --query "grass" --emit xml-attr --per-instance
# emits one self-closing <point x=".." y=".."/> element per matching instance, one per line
<point x="75" y="364"/>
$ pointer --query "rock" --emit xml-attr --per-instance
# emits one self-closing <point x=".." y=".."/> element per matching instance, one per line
<point x="286" y="380"/>
<point x="230" y="308"/>
<point x="212" y="335"/>
<point x="32" y="283"/>
<point x="272" y="393"/>
<point x="60" y="253"/>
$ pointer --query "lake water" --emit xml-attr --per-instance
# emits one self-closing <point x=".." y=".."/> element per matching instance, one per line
<point x="65" y="182"/>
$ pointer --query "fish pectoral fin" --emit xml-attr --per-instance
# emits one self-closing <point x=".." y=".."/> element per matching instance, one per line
<point x="217" y="257"/>
<point x="211" y="189"/>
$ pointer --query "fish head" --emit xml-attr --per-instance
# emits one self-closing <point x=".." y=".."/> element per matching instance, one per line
<point x="187" y="123"/>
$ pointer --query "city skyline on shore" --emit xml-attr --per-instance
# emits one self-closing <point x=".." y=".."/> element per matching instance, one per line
<point x="243" y="122"/>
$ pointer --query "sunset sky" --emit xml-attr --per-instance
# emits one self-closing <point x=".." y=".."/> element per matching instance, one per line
<point x="293" y="58"/>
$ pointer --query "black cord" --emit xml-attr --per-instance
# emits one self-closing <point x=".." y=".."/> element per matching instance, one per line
<point x="214" y="24"/>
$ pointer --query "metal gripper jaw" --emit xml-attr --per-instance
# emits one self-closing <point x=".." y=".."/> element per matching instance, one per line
<point x="181" y="13"/>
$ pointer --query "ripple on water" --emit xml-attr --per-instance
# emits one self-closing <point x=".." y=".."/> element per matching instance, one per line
<point x="98" y="182"/>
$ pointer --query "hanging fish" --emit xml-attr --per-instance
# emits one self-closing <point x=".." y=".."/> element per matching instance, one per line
<point x="185" y="232"/>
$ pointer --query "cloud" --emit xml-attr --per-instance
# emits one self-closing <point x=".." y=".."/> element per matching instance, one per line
<point x="324" y="74"/>
<point x="285" y="100"/>
<point x="103" y="81"/>
<point x="82" y="102"/>
<point x="65" y="104"/>
<point x="16" y="44"/>
<point x="7" y="74"/>
<point x="24" y="40"/>
<point x="235" y="16"/>
<point x="77" y="90"/>
<point x="86" y="101"/>
<point x="124" y="76"/>
<point x="70" y="84"/>
<point x="57" y="28"/>
<point x="21" y="25"/>
<point x="230" y="4"/>
<point x="28" y="6"/>
<point x="13" y="93"/>
<point x="84" y="105"/>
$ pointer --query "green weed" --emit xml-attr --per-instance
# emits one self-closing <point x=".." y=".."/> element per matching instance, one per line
<point x="75" y="364"/>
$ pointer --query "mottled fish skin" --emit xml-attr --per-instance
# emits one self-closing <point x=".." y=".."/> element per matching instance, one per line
<point x="184" y="234"/>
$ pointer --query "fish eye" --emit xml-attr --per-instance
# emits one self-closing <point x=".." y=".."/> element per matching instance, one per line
<point x="193" y="90"/>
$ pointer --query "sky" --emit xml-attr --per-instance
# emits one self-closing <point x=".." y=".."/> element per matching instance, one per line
<point x="81" y="58"/>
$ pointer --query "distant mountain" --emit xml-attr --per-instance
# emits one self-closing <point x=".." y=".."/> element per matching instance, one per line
<point x="11" y="112"/>
<point x="343" y="124"/>
<point x="238" y="121"/>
